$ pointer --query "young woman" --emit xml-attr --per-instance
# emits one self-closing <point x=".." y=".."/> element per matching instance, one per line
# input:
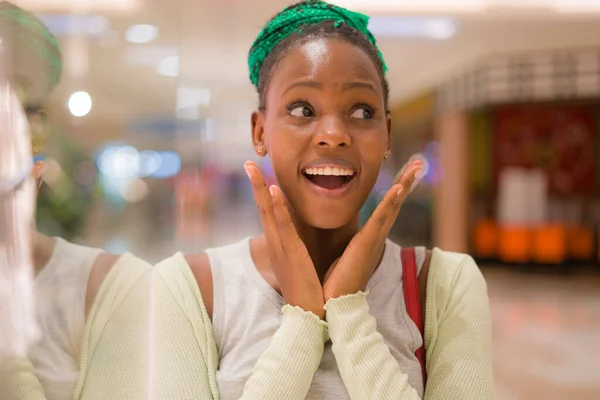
<point x="314" y="307"/>
<point x="68" y="277"/>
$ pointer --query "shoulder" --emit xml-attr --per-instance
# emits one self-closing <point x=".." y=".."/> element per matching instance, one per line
<point x="100" y="269"/>
<point x="448" y="266"/>
<point x="188" y="276"/>
<point x="126" y="267"/>
<point x="455" y="278"/>
<point x="200" y="266"/>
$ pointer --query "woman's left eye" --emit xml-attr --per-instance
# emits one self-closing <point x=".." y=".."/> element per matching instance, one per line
<point x="362" y="113"/>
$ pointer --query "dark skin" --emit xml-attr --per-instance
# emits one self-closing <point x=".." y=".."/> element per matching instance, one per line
<point x="324" y="102"/>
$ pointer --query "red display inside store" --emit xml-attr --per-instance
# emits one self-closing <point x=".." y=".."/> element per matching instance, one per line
<point x="558" y="139"/>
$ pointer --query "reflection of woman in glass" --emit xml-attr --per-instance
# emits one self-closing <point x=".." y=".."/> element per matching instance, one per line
<point x="286" y="315"/>
<point x="68" y="276"/>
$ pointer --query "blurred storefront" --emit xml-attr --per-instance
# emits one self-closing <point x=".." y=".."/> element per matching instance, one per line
<point x="521" y="172"/>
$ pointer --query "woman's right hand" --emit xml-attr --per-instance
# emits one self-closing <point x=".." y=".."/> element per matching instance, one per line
<point x="292" y="265"/>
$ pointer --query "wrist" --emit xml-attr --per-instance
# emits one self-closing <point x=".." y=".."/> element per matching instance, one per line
<point x="316" y="309"/>
<point x="337" y="292"/>
<point x="347" y="303"/>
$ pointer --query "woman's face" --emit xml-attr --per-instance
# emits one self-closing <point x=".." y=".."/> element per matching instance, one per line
<point x="326" y="130"/>
<point x="36" y="118"/>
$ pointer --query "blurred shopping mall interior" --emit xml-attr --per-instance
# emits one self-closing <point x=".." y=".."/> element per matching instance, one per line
<point x="150" y="126"/>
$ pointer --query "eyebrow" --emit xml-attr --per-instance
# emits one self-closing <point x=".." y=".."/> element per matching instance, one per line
<point x="311" y="84"/>
<point x="359" y="85"/>
<point x="318" y="85"/>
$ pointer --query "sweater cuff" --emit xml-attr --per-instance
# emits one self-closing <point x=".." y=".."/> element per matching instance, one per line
<point x="345" y="313"/>
<point x="303" y="325"/>
<point x="347" y="304"/>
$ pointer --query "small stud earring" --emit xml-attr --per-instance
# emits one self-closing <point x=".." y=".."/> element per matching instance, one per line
<point x="386" y="155"/>
<point x="259" y="149"/>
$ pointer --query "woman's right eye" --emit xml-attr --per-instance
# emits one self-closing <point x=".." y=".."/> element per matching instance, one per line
<point x="301" y="112"/>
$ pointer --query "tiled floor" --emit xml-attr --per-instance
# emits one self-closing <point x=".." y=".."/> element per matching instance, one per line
<point x="546" y="335"/>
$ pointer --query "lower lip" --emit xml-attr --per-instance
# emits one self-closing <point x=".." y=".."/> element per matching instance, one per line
<point x="332" y="193"/>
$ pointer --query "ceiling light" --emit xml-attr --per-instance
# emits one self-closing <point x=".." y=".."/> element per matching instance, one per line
<point x="413" y="27"/>
<point x="70" y="24"/>
<point x="148" y="55"/>
<point x="168" y="66"/>
<point x="188" y="97"/>
<point x="170" y="165"/>
<point x="468" y="6"/>
<point x="414" y="6"/>
<point x="88" y="5"/>
<point x="141" y="34"/>
<point x="190" y="113"/>
<point x="577" y="6"/>
<point x="80" y="104"/>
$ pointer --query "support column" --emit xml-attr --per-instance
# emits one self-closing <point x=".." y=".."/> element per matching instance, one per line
<point x="450" y="223"/>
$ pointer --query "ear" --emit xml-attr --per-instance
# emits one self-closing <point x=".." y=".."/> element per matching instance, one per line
<point x="389" y="134"/>
<point x="257" y="122"/>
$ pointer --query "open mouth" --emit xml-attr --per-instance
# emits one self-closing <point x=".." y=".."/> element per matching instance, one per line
<point x="330" y="178"/>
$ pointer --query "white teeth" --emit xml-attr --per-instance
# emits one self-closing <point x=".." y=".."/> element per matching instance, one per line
<point x="336" y="171"/>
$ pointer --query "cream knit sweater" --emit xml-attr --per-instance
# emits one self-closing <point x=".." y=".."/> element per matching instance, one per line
<point x="149" y="337"/>
<point x="457" y="339"/>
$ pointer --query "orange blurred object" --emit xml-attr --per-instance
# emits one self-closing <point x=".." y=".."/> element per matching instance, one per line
<point x="581" y="243"/>
<point x="514" y="244"/>
<point x="549" y="244"/>
<point x="485" y="238"/>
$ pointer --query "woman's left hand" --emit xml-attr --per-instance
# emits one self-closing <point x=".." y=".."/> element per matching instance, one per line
<point x="351" y="272"/>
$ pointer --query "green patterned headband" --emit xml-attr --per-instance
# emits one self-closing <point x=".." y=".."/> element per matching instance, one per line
<point x="292" y="19"/>
<point x="34" y="49"/>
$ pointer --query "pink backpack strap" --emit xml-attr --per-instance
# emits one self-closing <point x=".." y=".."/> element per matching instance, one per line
<point x="411" y="297"/>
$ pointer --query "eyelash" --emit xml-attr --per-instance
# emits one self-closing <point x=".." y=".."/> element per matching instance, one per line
<point x="303" y="103"/>
<point x="368" y="108"/>
<point x="298" y="103"/>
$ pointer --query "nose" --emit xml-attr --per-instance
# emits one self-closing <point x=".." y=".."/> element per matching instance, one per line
<point x="332" y="133"/>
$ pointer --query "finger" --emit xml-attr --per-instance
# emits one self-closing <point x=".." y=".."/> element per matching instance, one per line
<point x="379" y="224"/>
<point x="402" y="170"/>
<point x="408" y="179"/>
<point x="262" y="197"/>
<point x="381" y="221"/>
<point x="288" y="234"/>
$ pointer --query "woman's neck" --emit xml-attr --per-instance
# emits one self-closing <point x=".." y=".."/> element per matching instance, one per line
<point x="326" y="245"/>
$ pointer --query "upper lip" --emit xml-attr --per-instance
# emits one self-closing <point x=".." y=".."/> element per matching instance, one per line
<point x="330" y="162"/>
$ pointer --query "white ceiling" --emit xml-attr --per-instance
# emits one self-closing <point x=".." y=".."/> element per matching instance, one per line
<point x="212" y="39"/>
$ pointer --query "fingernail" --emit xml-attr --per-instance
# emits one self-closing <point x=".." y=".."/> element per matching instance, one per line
<point x="272" y="189"/>
<point x="247" y="170"/>
<point x="400" y="190"/>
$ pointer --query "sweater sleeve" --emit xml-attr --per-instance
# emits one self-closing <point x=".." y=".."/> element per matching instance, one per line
<point x="458" y="360"/>
<point x="187" y="357"/>
<point x="459" y="332"/>
<point x="286" y="369"/>
<point x="115" y="360"/>
<point x="18" y="381"/>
